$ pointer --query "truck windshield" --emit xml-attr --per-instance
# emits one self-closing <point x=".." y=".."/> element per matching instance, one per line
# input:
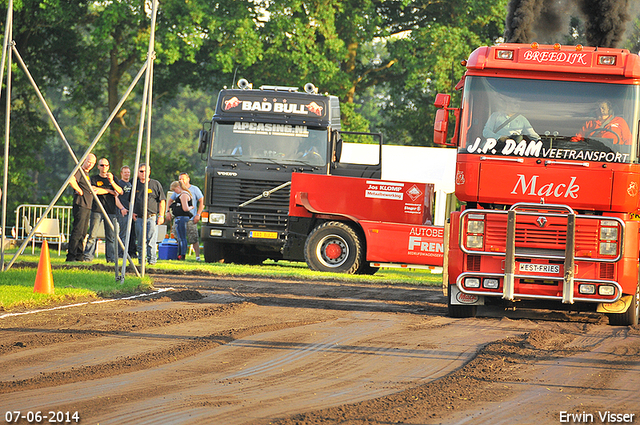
<point x="269" y="142"/>
<point x="554" y="120"/>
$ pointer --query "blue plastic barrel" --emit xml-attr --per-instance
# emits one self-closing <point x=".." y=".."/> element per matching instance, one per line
<point x="168" y="249"/>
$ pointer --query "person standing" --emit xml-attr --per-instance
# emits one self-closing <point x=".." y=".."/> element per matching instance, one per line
<point x="196" y="211"/>
<point x="156" y="202"/>
<point x="180" y="208"/>
<point x="122" y="213"/>
<point x="107" y="189"/>
<point x="82" y="201"/>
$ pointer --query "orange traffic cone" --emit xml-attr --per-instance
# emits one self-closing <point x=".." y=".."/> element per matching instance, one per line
<point x="44" y="277"/>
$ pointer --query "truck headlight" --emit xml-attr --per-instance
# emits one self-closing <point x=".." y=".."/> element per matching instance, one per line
<point x="217" y="218"/>
<point x="587" y="288"/>
<point x="474" y="241"/>
<point x="606" y="290"/>
<point x="490" y="283"/>
<point x="608" y="248"/>
<point x="608" y="233"/>
<point x="475" y="226"/>
<point x="472" y="282"/>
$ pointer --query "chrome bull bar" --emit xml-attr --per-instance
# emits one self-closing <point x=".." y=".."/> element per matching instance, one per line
<point x="569" y="257"/>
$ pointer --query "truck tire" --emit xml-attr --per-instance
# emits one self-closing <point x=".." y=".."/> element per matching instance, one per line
<point x="629" y="317"/>
<point x="213" y="251"/>
<point x="334" y="247"/>
<point x="460" y="311"/>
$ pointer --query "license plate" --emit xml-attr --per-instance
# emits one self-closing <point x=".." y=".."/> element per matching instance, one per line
<point x="539" y="268"/>
<point x="263" y="235"/>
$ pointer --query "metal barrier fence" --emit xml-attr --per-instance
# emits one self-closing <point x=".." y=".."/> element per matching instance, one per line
<point x="27" y="215"/>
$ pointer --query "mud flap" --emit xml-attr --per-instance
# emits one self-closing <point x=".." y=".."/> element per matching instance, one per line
<point x="620" y="306"/>
<point x="460" y="298"/>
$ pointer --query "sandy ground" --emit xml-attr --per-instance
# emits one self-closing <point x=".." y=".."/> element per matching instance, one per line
<point x="246" y="351"/>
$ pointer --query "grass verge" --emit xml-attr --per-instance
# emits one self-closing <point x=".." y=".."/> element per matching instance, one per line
<point x="74" y="282"/>
<point x="16" y="287"/>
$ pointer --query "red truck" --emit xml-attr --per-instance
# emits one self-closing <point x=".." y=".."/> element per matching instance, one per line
<point x="356" y="225"/>
<point x="548" y="175"/>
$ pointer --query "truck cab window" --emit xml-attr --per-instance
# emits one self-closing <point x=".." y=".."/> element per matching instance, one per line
<point x="268" y="142"/>
<point x="550" y="119"/>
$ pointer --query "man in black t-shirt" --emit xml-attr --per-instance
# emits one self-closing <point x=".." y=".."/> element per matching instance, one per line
<point x="122" y="212"/>
<point x="107" y="190"/>
<point x="82" y="201"/>
<point x="156" y="203"/>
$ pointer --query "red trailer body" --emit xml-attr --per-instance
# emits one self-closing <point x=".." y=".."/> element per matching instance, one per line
<point x="548" y="175"/>
<point x="351" y="224"/>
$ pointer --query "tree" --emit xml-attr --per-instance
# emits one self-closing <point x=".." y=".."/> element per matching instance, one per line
<point x="193" y="38"/>
<point x="43" y="32"/>
<point x="633" y="39"/>
<point x="429" y="61"/>
<point x="405" y="49"/>
<point x="176" y="130"/>
<point x="386" y="60"/>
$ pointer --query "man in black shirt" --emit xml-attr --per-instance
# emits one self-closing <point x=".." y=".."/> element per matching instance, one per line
<point x="82" y="201"/>
<point x="122" y="213"/>
<point x="107" y="190"/>
<point x="156" y="203"/>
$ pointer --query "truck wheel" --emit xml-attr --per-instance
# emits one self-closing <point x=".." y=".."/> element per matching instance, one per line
<point x="629" y="317"/>
<point x="460" y="311"/>
<point x="334" y="247"/>
<point x="213" y="251"/>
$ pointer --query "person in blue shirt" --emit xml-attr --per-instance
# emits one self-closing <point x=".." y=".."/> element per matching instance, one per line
<point x="509" y="124"/>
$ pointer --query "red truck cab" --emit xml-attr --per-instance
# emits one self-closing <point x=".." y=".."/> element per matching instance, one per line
<point x="548" y="174"/>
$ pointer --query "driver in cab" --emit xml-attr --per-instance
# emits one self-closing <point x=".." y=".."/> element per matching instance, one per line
<point x="605" y="126"/>
<point x="509" y="124"/>
<point x="309" y="151"/>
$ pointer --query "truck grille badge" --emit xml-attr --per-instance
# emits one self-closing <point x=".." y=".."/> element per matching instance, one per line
<point x="542" y="221"/>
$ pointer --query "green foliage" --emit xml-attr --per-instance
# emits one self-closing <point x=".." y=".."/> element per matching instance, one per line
<point x="351" y="120"/>
<point x="429" y="63"/>
<point x="633" y="40"/>
<point x="43" y="32"/>
<point x="176" y="131"/>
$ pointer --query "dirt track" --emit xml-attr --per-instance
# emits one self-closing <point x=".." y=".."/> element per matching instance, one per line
<point x="240" y="351"/>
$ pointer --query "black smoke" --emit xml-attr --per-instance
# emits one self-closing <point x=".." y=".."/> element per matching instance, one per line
<point x="606" y="21"/>
<point x="522" y="16"/>
<point x="545" y="19"/>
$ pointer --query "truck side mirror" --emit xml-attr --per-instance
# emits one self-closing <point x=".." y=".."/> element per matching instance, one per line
<point x="442" y="100"/>
<point x="336" y="146"/>
<point x="203" y="141"/>
<point x="441" y="127"/>
<point x="338" y="150"/>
